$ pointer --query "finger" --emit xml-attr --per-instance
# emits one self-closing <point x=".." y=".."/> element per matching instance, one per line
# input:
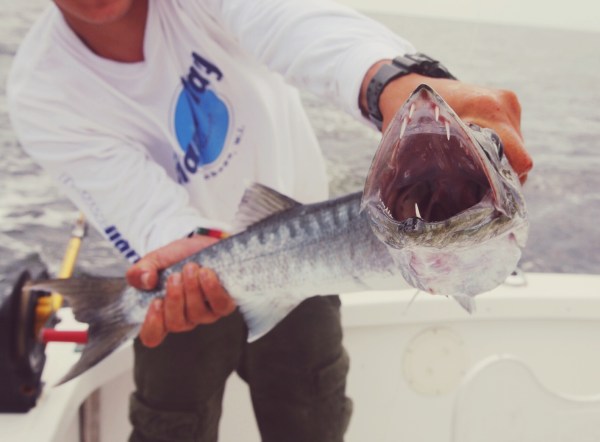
<point x="514" y="148"/>
<point x="217" y="297"/>
<point x="197" y="309"/>
<point x="174" y="305"/>
<point x="501" y="112"/>
<point x="512" y="107"/>
<point x="153" y="329"/>
<point x="515" y="152"/>
<point x="144" y="274"/>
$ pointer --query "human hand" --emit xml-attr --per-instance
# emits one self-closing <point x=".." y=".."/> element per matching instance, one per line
<point x="193" y="297"/>
<point x="495" y="109"/>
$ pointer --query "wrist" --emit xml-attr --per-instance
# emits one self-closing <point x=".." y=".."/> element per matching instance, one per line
<point x="386" y="72"/>
<point x="362" y="99"/>
<point x="397" y="92"/>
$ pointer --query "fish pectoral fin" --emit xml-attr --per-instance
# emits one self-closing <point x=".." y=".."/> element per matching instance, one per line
<point x="263" y="313"/>
<point x="260" y="202"/>
<point x="466" y="302"/>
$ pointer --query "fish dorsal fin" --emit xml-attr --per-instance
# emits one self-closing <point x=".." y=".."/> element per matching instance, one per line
<point x="260" y="202"/>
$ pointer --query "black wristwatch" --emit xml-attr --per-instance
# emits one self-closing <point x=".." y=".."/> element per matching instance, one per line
<point x="412" y="63"/>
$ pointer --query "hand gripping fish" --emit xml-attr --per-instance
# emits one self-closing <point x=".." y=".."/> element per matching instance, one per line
<point x="441" y="211"/>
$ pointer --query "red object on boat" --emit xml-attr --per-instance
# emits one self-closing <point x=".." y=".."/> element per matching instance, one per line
<point x="52" y="335"/>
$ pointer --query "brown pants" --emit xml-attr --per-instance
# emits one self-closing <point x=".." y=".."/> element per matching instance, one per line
<point x="296" y="374"/>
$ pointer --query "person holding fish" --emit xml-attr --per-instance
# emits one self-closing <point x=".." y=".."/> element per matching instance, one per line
<point x="154" y="116"/>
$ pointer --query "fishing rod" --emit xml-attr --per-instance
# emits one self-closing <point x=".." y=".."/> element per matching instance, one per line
<point x="47" y="306"/>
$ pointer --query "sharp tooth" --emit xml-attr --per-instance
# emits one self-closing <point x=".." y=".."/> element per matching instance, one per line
<point x="412" y="110"/>
<point x="437" y="113"/>
<point x="447" y="129"/>
<point x="403" y="127"/>
<point x="387" y="211"/>
<point x="417" y="211"/>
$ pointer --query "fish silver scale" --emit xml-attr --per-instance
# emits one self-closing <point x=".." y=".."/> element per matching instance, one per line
<point x="322" y="248"/>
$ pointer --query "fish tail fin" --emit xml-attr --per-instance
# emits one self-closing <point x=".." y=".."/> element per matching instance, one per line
<point x="104" y="304"/>
<point x="466" y="302"/>
<point x="263" y="313"/>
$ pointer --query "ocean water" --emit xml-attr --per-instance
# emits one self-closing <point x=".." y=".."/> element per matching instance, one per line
<point x="574" y="14"/>
<point x="555" y="73"/>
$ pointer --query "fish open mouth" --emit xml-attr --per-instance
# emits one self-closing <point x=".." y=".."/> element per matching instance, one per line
<point x="442" y="197"/>
<point x="432" y="168"/>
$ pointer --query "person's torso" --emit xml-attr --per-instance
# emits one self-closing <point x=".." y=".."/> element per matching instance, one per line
<point x="212" y="116"/>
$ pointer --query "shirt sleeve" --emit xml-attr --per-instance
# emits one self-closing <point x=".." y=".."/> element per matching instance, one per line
<point x="317" y="45"/>
<point x="121" y="190"/>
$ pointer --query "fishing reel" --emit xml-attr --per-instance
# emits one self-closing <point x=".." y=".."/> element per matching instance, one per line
<point x="27" y="321"/>
<point x="22" y="354"/>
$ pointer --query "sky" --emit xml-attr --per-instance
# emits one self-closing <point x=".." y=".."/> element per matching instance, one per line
<point x="571" y="14"/>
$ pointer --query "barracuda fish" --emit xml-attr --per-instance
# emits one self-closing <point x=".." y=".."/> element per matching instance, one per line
<point x="441" y="211"/>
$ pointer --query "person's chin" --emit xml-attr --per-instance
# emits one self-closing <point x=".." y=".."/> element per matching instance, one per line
<point x="108" y="14"/>
<point x="103" y="13"/>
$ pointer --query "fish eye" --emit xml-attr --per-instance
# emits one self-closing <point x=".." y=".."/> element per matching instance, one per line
<point x="493" y="136"/>
<point x="498" y="142"/>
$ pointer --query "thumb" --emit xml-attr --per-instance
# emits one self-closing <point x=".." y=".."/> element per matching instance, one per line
<point x="143" y="274"/>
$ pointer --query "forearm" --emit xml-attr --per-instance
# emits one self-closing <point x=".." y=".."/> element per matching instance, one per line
<point x="316" y="45"/>
<point x="396" y="92"/>
<point x="124" y="194"/>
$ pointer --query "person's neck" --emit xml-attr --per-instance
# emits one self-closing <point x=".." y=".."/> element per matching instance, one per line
<point x="121" y="40"/>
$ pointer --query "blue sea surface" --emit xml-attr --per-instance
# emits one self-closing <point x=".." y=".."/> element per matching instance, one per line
<point x="555" y="73"/>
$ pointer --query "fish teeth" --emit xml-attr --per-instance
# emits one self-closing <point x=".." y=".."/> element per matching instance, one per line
<point x="437" y="113"/>
<point x="412" y="110"/>
<point x="447" y="130"/>
<point x="385" y="209"/>
<point x="417" y="211"/>
<point x="403" y="127"/>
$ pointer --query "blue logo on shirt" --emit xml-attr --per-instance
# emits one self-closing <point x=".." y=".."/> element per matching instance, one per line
<point x="201" y="118"/>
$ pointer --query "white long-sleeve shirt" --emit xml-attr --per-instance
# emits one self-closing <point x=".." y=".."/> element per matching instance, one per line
<point x="151" y="150"/>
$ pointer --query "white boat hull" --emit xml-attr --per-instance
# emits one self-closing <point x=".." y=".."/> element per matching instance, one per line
<point x="523" y="367"/>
